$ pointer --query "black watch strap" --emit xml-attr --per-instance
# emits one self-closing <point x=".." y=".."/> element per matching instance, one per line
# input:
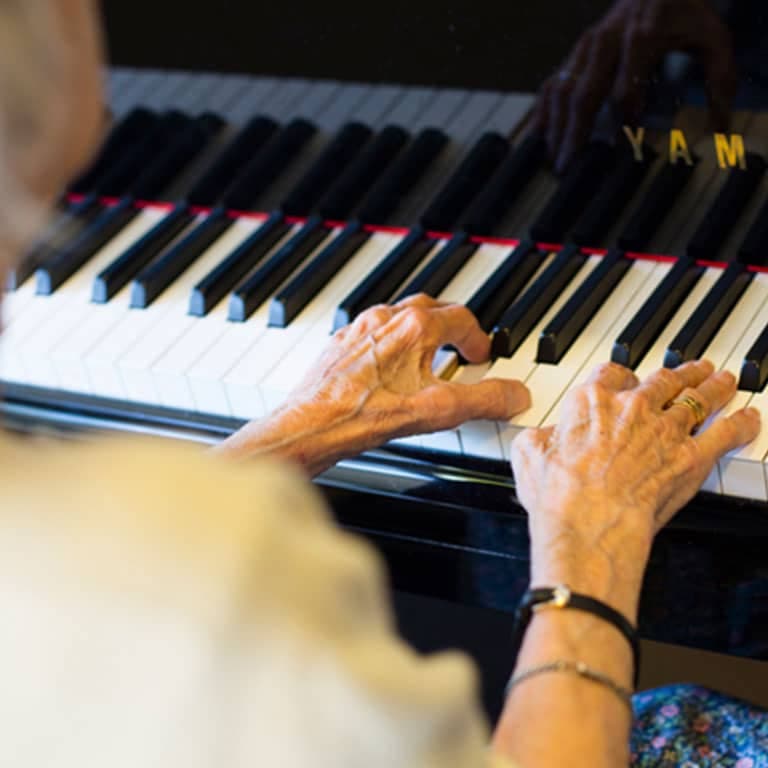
<point x="560" y="597"/>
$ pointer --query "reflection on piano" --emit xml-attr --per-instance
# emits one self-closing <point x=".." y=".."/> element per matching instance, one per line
<point x="230" y="223"/>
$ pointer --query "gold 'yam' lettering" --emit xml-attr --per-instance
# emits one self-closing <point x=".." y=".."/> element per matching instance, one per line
<point x="678" y="147"/>
<point x="730" y="151"/>
<point x="636" y="141"/>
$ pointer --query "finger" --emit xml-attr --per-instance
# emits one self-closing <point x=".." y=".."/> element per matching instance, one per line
<point x="420" y="300"/>
<point x="459" y="327"/>
<point x="727" y="434"/>
<point x="613" y="376"/>
<point x="445" y="406"/>
<point x="664" y="385"/>
<point x="537" y="119"/>
<point x="560" y="94"/>
<point x="559" y="111"/>
<point x="368" y="321"/>
<point x="640" y="54"/>
<point x="593" y="85"/>
<point x="711" y="42"/>
<point x="712" y="394"/>
<point x="688" y="411"/>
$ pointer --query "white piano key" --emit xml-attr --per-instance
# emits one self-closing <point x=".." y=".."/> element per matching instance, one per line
<point x="206" y="377"/>
<point x="167" y="357"/>
<point x="742" y="327"/>
<point x="742" y="472"/>
<point x="131" y="326"/>
<point x="94" y="321"/>
<point x="46" y="321"/>
<point x="212" y="343"/>
<point x="548" y="383"/>
<point x="477" y="438"/>
<point x="169" y="321"/>
<point x="481" y="438"/>
<point x="483" y="262"/>
<point x="654" y="359"/>
<point x="285" y="355"/>
<point x="523" y="361"/>
<point x="68" y="306"/>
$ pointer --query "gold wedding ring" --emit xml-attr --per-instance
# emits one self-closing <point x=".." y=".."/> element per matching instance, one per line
<point x="689" y="401"/>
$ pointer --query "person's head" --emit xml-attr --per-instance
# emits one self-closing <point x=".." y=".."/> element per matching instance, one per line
<point x="50" y="108"/>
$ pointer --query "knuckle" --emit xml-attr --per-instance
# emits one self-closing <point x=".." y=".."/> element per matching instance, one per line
<point x="667" y="378"/>
<point x="639" y="401"/>
<point x="416" y="318"/>
<point x="689" y="457"/>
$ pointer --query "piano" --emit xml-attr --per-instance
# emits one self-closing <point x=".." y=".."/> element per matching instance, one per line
<point x="251" y="197"/>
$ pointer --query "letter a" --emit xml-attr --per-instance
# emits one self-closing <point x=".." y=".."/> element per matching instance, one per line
<point x="678" y="147"/>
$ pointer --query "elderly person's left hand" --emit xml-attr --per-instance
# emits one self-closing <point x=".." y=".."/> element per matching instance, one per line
<point x="375" y="382"/>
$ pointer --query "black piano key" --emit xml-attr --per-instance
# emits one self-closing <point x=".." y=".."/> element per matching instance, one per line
<point x="22" y="271"/>
<point x="332" y="161"/>
<point x="465" y="183"/>
<point x="65" y="227"/>
<point x="89" y="242"/>
<point x="179" y="152"/>
<point x="441" y="269"/>
<point x="518" y="321"/>
<point x="223" y="278"/>
<point x="302" y="288"/>
<point x="576" y="189"/>
<point x="719" y="220"/>
<point x="379" y="285"/>
<point x="708" y="317"/>
<point x="644" y="328"/>
<point x="505" y="186"/>
<point x="120" y="272"/>
<point x="403" y="175"/>
<point x="754" y="367"/>
<point x="754" y="248"/>
<point x="612" y="198"/>
<point x="345" y="194"/>
<point x="214" y="181"/>
<point x="159" y="274"/>
<point x="259" y="286"/>
<point x="170" y="129"/>
<point x="265" y="166"/>
<point x="658" y="201"/>
<point x="558" y="336"/>
<point x="504" y="285"/>
<point x="137" y="123"/>
<point x="177" y="155"/>
<point x="65" y="261"/>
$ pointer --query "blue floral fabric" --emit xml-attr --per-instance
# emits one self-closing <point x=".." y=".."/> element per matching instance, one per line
<point x="686" y="726"/>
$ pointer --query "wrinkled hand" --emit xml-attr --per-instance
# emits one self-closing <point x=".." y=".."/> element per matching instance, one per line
<point x="616" y="59"/>
<point x="621" y="462"/>
<point x="374" y="382"/>
<point x="379" y="369"/>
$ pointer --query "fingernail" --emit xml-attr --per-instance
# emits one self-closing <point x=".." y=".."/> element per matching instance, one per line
<point x="753" y="413"/>
<point x="521" y="398"/>
<point x="726" y="376"/>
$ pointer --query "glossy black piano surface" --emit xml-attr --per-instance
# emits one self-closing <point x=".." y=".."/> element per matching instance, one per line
<point x="649" y="245"/>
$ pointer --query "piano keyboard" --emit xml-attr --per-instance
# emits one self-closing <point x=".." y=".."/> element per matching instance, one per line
<point x="249" y="217"/>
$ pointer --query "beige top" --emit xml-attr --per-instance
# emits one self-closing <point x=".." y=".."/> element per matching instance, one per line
<point x="162" y="608"/>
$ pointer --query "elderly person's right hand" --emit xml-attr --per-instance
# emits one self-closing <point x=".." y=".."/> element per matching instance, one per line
<point x="615" y="469"/>
<point x="615" y="60"/>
